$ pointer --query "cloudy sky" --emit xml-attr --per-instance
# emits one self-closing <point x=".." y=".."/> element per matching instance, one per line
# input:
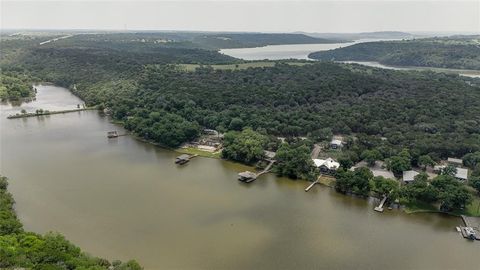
<point x="262" y="16"/>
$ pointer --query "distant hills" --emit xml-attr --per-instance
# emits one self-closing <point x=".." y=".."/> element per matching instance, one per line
<point x="365" y="35"/>
<point x="244" y="40"/>
<point x="460" y="52"/>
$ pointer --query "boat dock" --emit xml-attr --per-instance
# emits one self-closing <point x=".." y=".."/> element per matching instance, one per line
<point x="379" y="208"/>
<point x="472" y="228"/>
<point x="184" y="158"/>
<point x="249" y="177"/>
<point x="311" y="185"/>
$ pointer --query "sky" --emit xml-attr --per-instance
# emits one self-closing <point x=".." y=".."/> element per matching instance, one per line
<point x="257" y="16"/>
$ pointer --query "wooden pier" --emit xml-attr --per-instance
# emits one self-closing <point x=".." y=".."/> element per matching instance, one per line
<point x="249" y="177"/>
<point x="311" y="185"/>
<point x="379" y="208"/>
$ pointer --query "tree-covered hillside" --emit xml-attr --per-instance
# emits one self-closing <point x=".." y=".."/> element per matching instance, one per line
<point x="462" y="52"/>
<point x="426" y="113"/>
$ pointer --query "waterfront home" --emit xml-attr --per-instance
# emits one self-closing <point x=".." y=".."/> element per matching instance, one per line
<point x="409" y="176"/>
<point x="326" y="165"/>
<point x="335" y="144"/>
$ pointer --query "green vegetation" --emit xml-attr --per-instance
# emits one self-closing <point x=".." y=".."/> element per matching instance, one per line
<point x="15" y="87"/>
<point x="460" y="52"/>
<point x="240" y="66"/>
<point x="245" y="146"/>
<point x="196" y="151"/>
<point x="443" y="190"/>
<point x="21" y="249"/>
<point x="294" y="161"/>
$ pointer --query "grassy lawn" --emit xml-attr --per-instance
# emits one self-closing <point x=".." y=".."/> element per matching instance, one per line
<point x="327" y="180"/>
<point x="239" y="66"/>
<point x="195" y="151"/>
<point x="418" y="207"/>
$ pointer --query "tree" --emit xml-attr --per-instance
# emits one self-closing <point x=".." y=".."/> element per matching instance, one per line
<point x="357" y="182"/>
<point x="425" y="161"/>
<point x="236" y="124"/>
<point x="398" y="164"/>
<point x="449" y="170"/>
<point x="246" y="146"/>
<point x="385" y="186"/>
<point x="471" y="159"/>
<point x="452" y="194"/>
<point x="475" y="183"/>
<point x="370" y="156"/>
<point x="294" y="161"/>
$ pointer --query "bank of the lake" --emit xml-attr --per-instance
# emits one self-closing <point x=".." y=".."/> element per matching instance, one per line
<point x="122" y="198"/>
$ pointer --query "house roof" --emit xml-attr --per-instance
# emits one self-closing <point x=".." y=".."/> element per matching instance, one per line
<point x="455" y="160"/>
<point x="462" y="173"/>
<point x="409" y="176"/>
<point x="335" y="141"/>
<point x="329" y="163"/>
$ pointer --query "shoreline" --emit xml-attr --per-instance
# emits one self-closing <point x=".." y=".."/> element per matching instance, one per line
<point x="329" y="184"/>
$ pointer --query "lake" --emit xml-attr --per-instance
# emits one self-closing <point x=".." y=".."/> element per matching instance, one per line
<point x="301" y="51"/>
<point x="122" y="198"/>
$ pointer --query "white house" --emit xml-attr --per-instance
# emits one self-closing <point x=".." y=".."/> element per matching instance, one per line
<point x="455" y="161"/>
<point x="326" y="165"/>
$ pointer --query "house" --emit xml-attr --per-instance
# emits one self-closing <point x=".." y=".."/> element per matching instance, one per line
<point x="409" y="176"/>
<point x="335" y="144"/>
<point x="455" y="161"/>
<point x="326" y="165"/>
<point x="461" y="174"/>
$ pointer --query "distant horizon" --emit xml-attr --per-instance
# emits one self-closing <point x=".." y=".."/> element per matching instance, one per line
<point x="220" y="31"/>
<point x="321" y="16"/>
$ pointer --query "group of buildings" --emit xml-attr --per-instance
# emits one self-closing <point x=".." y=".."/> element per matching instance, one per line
<point x="330" y="166"/>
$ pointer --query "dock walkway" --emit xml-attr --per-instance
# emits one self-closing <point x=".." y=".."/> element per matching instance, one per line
<point x="311" y="185"/>
<point x="249" y="177"/>
<point x="379" y="208"/>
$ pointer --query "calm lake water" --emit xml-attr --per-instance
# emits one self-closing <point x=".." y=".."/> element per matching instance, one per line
<point x="301" y="51"/>
<point x="121" y="199"/>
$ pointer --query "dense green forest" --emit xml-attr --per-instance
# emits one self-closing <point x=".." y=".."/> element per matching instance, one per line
<point x="28" y="250"/>
<point x="426" y="113"/>
<point x="460" y="52"/>
<point x="15" y="86"/>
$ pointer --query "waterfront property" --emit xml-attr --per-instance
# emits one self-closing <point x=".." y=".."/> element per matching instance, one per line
<point x="328" y="166"/>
